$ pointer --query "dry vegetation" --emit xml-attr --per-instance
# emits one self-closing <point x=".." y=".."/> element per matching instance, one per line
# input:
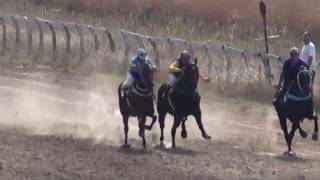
<point x="217" y="21"/>
<point x="224" y="21"/>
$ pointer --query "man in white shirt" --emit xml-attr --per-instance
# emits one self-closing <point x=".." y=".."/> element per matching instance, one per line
<point x="308" y="53"/>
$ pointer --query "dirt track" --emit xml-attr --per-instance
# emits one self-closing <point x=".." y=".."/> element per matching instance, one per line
<point x="65" y="127"/>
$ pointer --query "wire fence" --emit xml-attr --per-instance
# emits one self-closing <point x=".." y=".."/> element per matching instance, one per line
<point x="58" y="42"/>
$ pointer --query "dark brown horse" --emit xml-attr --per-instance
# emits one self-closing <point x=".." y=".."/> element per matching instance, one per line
<point x="296" y="105"/>
<point x="181" y="102"/>
<point x="138" y="102"/>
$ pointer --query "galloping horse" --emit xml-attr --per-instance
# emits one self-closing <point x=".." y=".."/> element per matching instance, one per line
<point x="296" y="106"/>
<point x="181" y="101"/>
<point x="138" y="102"/>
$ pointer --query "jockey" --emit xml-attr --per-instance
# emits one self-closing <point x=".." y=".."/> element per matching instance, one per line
<point x="289" y="73"/>
<point x="136" y="66"/>
<point x="176" y="68"/>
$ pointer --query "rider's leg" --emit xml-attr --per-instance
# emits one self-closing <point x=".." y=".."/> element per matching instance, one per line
<point x="171" y="82"/>
<point x="128" y="83"/>
<point x="278" y="99"/>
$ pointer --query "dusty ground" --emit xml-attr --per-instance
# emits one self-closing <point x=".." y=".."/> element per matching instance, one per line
<point x="68" y="127"/>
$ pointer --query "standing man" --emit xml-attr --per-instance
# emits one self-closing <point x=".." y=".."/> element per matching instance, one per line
<point x="308" y="54"/>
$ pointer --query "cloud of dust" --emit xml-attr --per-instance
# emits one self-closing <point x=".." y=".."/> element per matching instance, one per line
<point x="51" y="109"/>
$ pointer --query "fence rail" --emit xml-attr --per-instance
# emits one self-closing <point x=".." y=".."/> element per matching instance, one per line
<point x="111" y="33"/>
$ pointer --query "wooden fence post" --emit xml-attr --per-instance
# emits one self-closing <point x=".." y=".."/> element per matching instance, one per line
<point x="4" y="36"/>
<point x="229" y="66"/>
<point x="17" y="27"/>
<point x="171" y="48"/>
<point x="54" y="43"/>
<point x="41" y="37"/>
<point x="140" y="42"/>
<point x="68" y="39"/>
<point x="81" y="39"/>
<point x="126" y="48"/>
<point x="29" y="31"/>
<point x="111" y="41"/>
<point x="189" y="48"/>
<point x="95" y="39"/>
<point x="210" y="67"/>
<point x="155" y="49"/>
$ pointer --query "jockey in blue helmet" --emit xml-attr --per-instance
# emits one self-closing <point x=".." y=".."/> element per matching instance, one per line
<point x="136" y="66"/>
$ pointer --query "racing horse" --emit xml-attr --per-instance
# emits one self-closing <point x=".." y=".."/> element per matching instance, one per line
<point x="138" y="102"/>
<point x="181" y="101"/>
<point x="296" y="105"/>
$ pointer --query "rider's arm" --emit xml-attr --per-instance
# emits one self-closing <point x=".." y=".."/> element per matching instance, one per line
<point x="174" y="68"/>
<point x="280" y="80"/>
<point x="151" y="64"/>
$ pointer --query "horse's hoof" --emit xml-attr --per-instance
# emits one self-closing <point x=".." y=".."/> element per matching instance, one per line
<point x="162" y="145"/>
<point x="290" y="154"/>
<point x="141" y="134"/>
<point x="303" y="134"/>
<point x="154" y="118"/>
<point x="315" y="137"/>
<point x="184" y="134"/>
<point x="126" y="146"/>
<point x="205" y="136"/>
<point x="161" y="139"/>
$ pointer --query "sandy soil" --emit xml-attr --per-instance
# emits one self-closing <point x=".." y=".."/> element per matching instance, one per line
<point x="68" y="127"/>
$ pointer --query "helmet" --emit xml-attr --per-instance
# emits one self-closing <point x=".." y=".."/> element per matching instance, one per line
<point x="185" y="57"/>
<point x="141" y="54"/>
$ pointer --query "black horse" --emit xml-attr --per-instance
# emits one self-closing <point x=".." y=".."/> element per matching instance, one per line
<point x="138" y="102"/>
<point x="296" y="105"/>
<point x="181" y="102"/>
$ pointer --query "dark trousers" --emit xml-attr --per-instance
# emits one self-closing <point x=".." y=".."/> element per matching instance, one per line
<point x="279" y="96"/>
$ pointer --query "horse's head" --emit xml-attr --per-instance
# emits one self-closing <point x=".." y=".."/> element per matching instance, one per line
<point x="190" y="77"/>
<point x="304" y="81"/>
<point x="146" y="81"/>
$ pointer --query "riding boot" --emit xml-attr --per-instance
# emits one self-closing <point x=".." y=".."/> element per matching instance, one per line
<point x="124" y="90"/>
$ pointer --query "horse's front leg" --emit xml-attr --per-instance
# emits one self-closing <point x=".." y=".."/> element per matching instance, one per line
<point x="303" y="133"/>
<point x="154" y="119"/>
<point x="176" y="124"/>
<point x="126" y="129"/>
<point x="197" y="116"/>
<point x="283" y="124"/>
<point x="162" y="117"/>
<point x="295" y="126"/>
<point x="316" y="128"/>
<point x="184" y="133"/>
<point x="142" y="122"/>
